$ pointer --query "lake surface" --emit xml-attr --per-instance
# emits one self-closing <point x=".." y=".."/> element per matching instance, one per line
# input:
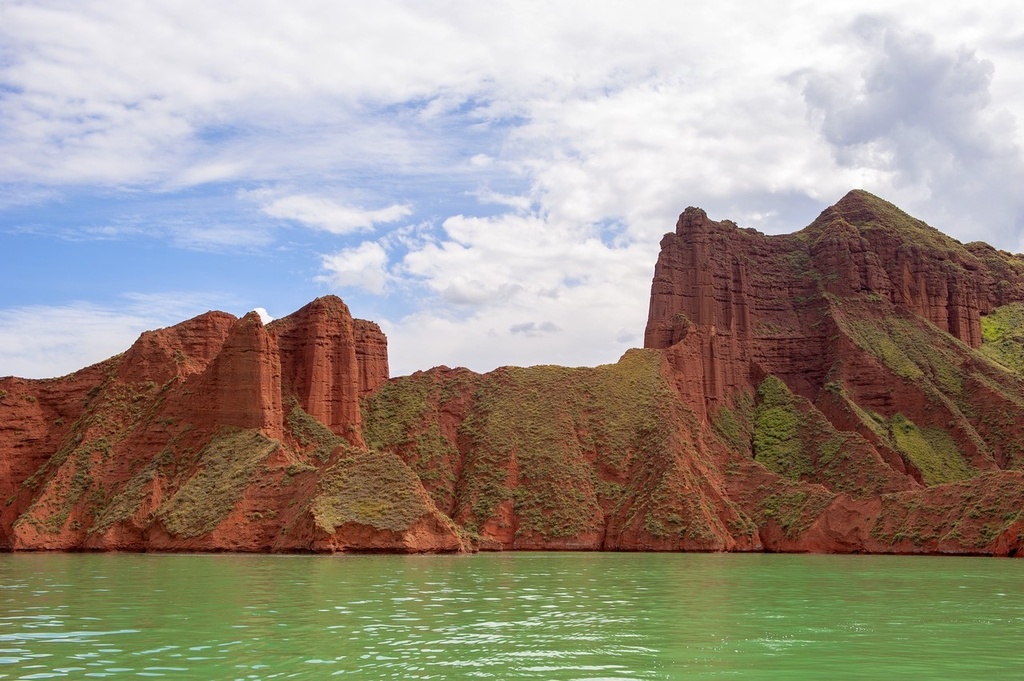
<point x="511" y="616"/>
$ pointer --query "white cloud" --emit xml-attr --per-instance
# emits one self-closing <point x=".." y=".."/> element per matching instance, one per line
<point x="920" y="118"/>
<point x="363" y="267"/>
<point x="329" y="215"/>
<point x="607" y="113"/>
<point x="42" y="341"/>
<point x="520" y="289"/>
<point x="585" y="326"/>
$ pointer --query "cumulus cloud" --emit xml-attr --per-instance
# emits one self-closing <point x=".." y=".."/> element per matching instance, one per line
<point x="484" y="339"/>
<point x="921" y="116"/>
<point x="364" y="266"/>
<point x="519" y="289"/>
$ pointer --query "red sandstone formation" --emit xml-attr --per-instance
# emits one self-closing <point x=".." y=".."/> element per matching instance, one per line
<point x="371" y="356"/>
<point x="831" y="390"/>
<point x="108" y="457"/>
<point x="243" y="382"/>
<point x="871" y="315"/>
<point x="320" y="366"/>
<point x="181" y="350"/>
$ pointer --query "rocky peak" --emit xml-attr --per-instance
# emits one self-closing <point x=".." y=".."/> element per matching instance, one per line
<point x="761" y="305"/>
<point x="867" y="246"/>
<point x="242" y="385"/>
<point x="180" y="350"/>
<point x="879" y="221"/>
<point x="329" y="360"/>
<point x="240" y="373"/>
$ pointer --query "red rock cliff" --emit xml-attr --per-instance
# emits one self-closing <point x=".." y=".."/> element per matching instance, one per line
<point x="743" y="300"/>
<point x="180" y="350"/>
<point x="873" y="318"/>
<point x="371" y="356"/>
<point x="329" y="360"/>
<point x="868" y="245"/>
<point x="760" y="305"/>
<point x="189" y="438"/>
<point x="241" y="387"/>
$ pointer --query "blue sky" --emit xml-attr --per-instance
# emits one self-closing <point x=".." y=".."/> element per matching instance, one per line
<point x="488" y="181"/>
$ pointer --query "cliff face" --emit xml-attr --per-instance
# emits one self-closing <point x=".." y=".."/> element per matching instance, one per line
<point x="326" y="361"/>
<point x="764" y="305"/>
<point x="853" y="387"/>
<point x="739" y="301"/>
<point x="845" y="357"/>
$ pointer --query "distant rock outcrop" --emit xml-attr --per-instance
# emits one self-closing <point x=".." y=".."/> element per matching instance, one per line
<point x="853" y="387"/>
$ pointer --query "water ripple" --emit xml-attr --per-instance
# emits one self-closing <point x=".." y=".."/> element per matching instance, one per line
<point x="531" y="616"/>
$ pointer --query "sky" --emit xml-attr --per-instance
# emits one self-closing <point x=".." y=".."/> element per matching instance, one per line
<point x="487" y="181"/>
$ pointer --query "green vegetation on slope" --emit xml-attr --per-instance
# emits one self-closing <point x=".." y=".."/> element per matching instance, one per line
<point x="125" y="502"/>
<point x="867" y="213"/>
<point x="371" y="488"/>
<point x="931" y="450"/>
<point x="320" y="440"/>
<point x="563" y="446"/>
<point x="393" y="414"/>
<point x="226" y="466"/>
<point x="794" y="508"/>
<point x="777" y="444"/>
<point x="69" y="479"/>
<point x="171" y="464"/>
<point x="968" y="513"/>
<point x="874" y="422"/>
<point x="569" y="434"/>
<point x="913" y="353"/>
<point x="402" y="417"/>
<point x="790" y="437"/>
<point x="735" y="426"/>
<point x="983" y="400"/>
<point x="1003" y="334"/>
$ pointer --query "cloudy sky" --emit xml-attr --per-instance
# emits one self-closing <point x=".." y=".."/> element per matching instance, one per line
<point x="487" y="180"/>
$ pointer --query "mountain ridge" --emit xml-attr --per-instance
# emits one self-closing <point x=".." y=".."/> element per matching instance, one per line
<point x="851" y="387"/>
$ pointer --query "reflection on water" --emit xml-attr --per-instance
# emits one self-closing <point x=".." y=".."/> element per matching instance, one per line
<point x="504" y="616"/>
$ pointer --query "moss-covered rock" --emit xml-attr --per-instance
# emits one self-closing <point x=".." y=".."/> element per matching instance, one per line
<point x="370" y="488"/>
<point x="1003" y="334"/>
<point x="225" y="468"/>
<point x="932" y="450"/>
<point x="777" y="443"/>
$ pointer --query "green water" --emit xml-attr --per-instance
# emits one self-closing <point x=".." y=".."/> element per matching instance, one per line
<point x="511" y="616"/>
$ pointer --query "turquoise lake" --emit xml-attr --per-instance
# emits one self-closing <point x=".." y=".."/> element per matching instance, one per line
<point x="511" y="616"/>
